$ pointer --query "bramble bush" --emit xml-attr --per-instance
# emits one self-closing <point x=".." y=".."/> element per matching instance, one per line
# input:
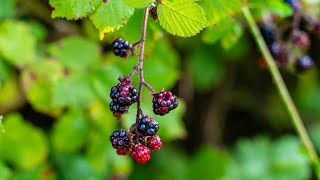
<point x="180" y="86"/>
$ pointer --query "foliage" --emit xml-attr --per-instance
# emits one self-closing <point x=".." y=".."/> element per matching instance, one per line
<point x="61" y="73"/>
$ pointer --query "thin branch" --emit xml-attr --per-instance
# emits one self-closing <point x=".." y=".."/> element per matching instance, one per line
<point x="283" y="91"/>
<point x="149" y="87"/>
<point x="140" y="63"/>
<point x="135" y="69"/>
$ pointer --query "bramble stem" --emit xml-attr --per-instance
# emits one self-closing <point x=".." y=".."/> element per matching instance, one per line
<point x="284" y="94"/>
<point x="140" y="63"/>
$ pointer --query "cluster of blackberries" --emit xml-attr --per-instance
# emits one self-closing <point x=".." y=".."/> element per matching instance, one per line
<point x="164" y="102"/>
<point x="121" y="48"/>
<point x="141" y="138"/>
<point x="122" y="95"/>
<point x="138" y="144"/>
<point x="293" y="48"/>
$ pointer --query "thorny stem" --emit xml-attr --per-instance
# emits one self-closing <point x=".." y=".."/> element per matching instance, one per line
<point x="284" y="94"/>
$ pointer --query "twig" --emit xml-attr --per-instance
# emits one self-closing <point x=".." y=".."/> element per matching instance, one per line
<point x="149" y="87"/>
<point x="284" y="94"/>
<point x="140" y="63"/>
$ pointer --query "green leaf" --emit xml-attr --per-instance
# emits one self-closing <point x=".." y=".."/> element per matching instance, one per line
<point x="5" y="172"/>
<point x="216" y="10"/>
<point x="73" y="90"/>
<point x="72" y="166"/>
<point x="216" y="159"/>
<point x="198" y="61"/>
<point x="182" y="17"/>
<point x="76" y="53"/>
<point x="17" y="43"/>
<point x="110" y="16"/>
<point x="1" y="126"/>
<point x="138" y="3"/>
<point x="23" y="146"/>
<point x="227" y="32"/>
<point x="70" y="132"/>
<point x="73" y="9"/>
<point x="6" y="8"/>
<point x="280" y="8"/>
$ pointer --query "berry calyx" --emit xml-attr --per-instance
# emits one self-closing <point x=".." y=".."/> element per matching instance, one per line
<point x="122" y="95"/>
<point x="154" y="143"/>
<point x="164" y="102"/>
<point x="304" y="63"/>
<point x="119" y="139"/>
<point x="147" y="126"/>
<point x="141" y="154"/>
<point x="121" y="48"/>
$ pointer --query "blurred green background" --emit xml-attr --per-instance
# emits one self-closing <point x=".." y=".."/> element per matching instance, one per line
<point x="56" y="77"/>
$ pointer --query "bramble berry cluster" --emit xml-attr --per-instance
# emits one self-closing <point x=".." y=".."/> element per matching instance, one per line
<point x="290" y="46"/>
<point x="139" y="141"/>
<point x="141" y="137"/>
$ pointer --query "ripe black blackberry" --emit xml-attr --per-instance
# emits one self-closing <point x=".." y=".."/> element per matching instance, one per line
<point x="122" y="95"/>
<point x="147" y="126"/>
<point x="119" y="139"/>
<point x="121" y="48"/>
<point x="268" y="33"/>
<point x="164" y="102"/>
<point x="304" y="63"/>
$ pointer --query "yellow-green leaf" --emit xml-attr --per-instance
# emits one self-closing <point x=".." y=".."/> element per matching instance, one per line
<point x="73" y="9"/>
<point x="138" y="3"/>
<point x="182" y="17"/>
<point x="111" y="16"/>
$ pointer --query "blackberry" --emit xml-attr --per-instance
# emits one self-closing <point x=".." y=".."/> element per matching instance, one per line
<point x="279" y="53"/>
<point x="301" y="39"/>
<point x="141" y="154"/>
<point x="294" y="4"/>
<point x="164" y="102"/>
<point x="268" y="33"/>
<point x="147" y="126"/>
<point x="123" y="151"/>
<point x="304" y="63"/>
<point x="154" y="143"/>
<point x="119" y="139"/>
<point x="121" y="48"/>
<point x="122" y="95"/>
<point x="153" y="13"/>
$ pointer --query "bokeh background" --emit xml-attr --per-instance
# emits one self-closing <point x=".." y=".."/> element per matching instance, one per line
<point x="56" y="77"/>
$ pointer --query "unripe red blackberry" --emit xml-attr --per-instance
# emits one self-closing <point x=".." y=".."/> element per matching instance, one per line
<point x="121" y="48"/>
<point x="119" y="139"/>
<point x="123" y="151"/>
<point x="141" y="154"/>
<point x="147" y="126"/>
<point x="164" y="102"/>
<point x="122" y="95"/>
<point x="304" y="63"/>
<point x="154" y="143"/>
